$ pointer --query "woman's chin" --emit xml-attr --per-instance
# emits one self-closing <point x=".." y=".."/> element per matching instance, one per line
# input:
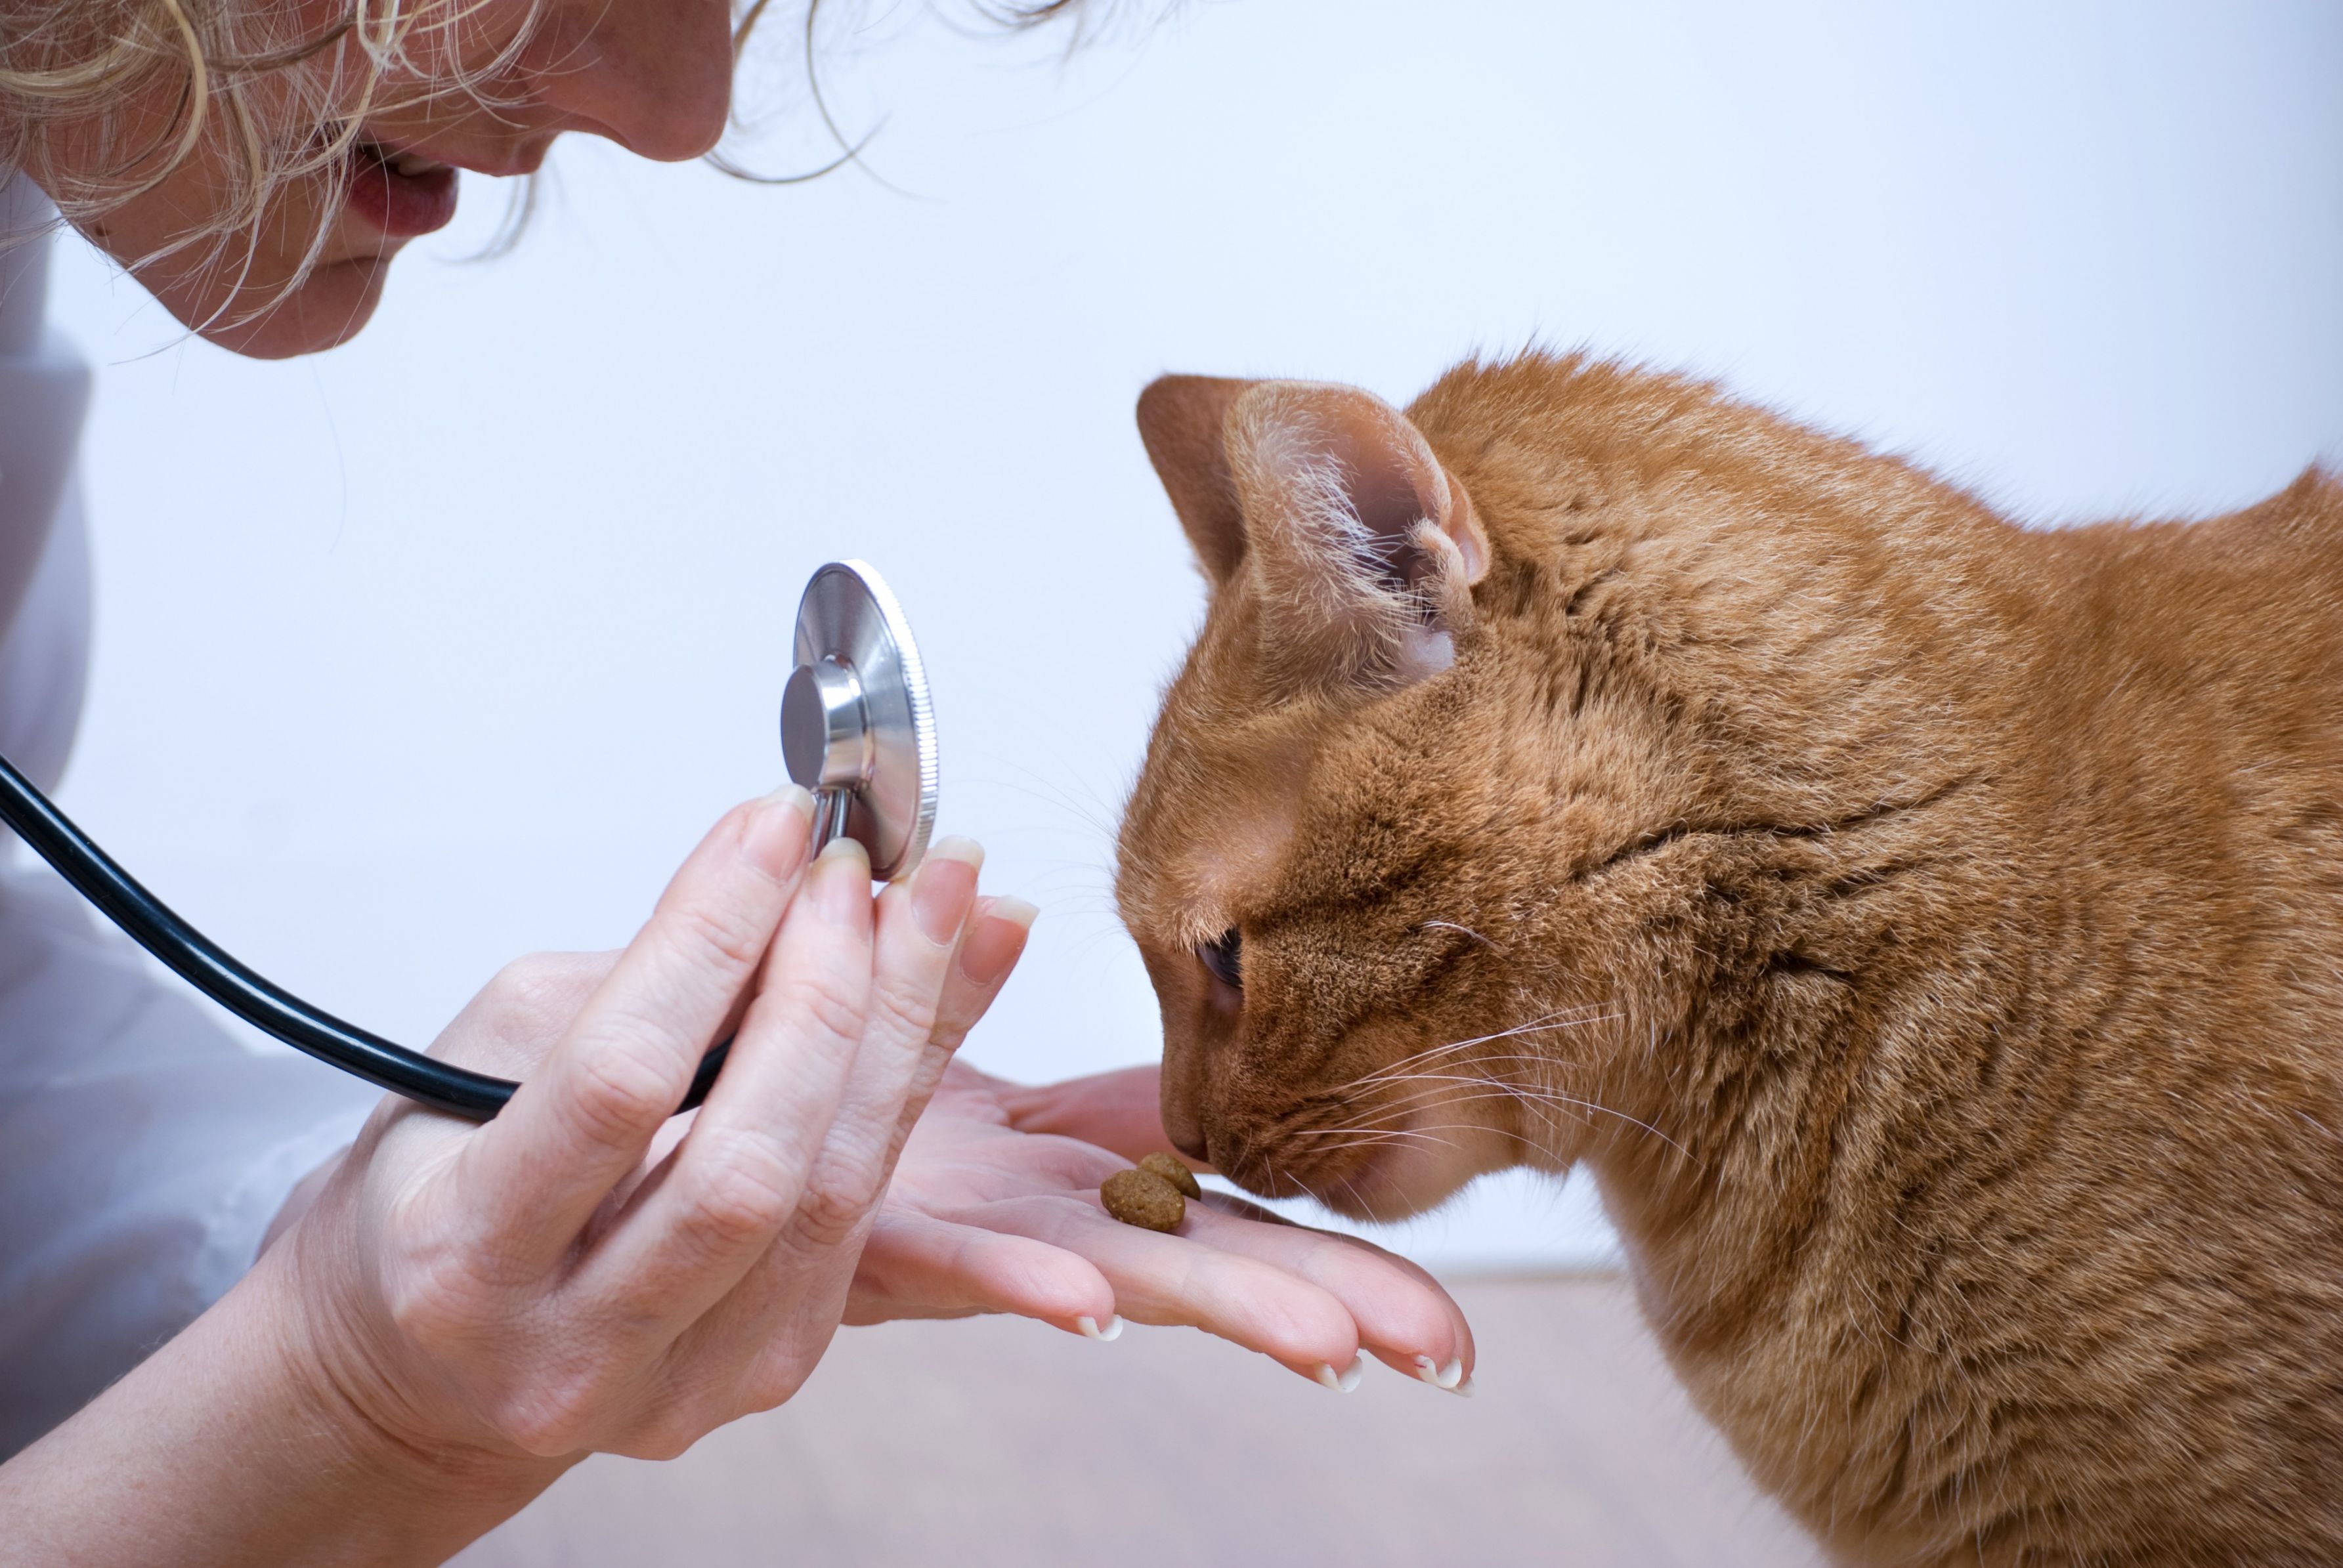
<point x="331" y="307"/>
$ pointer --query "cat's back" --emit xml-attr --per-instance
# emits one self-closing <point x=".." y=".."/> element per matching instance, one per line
<point x="2069" y="1284"/>
<point x="2243" y="614"/>
<point x="2179" y="731"/>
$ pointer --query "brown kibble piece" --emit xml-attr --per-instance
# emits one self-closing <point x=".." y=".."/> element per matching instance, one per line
<point x="1143" y="1199"/>
<point x="1171" y="1171"/>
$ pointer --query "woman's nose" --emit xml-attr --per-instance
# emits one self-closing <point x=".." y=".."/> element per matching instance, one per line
<point x="653" y="75"/>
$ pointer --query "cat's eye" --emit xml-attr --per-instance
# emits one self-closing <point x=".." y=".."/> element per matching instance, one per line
<point x="1223" y="958"/>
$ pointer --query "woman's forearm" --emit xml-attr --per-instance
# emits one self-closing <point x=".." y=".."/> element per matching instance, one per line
<point x="234" y="1445"/>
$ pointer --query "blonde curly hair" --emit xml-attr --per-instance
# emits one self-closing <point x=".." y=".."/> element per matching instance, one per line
<point x="285" y="83"/>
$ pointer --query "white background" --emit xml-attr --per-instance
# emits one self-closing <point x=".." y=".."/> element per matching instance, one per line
<point x="446" y="646"/>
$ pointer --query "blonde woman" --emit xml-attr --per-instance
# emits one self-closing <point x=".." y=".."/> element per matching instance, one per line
<point x="451" y="1315"/>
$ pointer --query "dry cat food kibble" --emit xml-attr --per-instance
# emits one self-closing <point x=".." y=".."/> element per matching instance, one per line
<point x="1143" y="1199"/>
<point x="1171" y="1171"/>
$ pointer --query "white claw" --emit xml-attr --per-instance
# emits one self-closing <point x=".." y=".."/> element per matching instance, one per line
<point x="1341" y="1382"/>
<point x="1091" y="1330"/>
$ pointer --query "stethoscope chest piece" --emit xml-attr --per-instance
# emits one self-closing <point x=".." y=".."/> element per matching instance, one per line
<point x="856" y="727"/>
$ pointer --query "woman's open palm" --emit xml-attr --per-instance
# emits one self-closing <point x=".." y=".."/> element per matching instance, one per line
<point x="994" y="1207"/>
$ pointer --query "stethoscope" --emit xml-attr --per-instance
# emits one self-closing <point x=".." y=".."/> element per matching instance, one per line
<point x="856" y="730"/>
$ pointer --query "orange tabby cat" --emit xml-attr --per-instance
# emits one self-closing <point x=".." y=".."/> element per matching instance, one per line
<point x="1930" y="933"/>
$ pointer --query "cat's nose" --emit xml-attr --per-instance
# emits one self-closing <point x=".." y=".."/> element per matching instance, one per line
<point x="1182" y="1101"/>
<point x="1190" y="1141"/>
<point x="1185" y="1124"/>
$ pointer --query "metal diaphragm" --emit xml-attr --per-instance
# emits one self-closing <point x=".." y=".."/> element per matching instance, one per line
<point x="856" y="727"/>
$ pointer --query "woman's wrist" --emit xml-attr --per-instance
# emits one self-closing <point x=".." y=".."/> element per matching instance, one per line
<point x="304" y="1193"/>
<point x="404" y="1494"/>
<point x="249" y="1438"/>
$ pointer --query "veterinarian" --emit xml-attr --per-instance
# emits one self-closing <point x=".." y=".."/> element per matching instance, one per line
<point x="377" y="1341"/>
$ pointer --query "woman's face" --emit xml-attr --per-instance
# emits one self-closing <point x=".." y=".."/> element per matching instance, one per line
<point x="653" y="75"/>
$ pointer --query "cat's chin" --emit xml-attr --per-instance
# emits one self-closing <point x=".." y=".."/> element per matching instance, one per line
<point x="1393" y="1183"/>
<point x="1385" y="1206"/>
<point x="1398" y="1187"/>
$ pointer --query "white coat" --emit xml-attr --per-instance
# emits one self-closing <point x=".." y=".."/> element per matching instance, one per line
<point x="144" y="1148"/>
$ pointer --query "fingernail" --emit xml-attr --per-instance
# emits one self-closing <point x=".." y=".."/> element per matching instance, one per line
<point x="1438" y="1376"/>
<point x="1341" y="1382"/>
<point x="944" y="886"/>
<point x="1091" y="1331"/>
<point x="779" y="836"/>
<point x="993" y="945"/>
<point x="842" y="878"/>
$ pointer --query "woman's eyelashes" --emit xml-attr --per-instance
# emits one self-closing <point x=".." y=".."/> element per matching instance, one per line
<point x="1223" y="959"/>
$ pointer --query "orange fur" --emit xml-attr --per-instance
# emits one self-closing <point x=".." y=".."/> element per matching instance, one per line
<point x="1929" y="931"/>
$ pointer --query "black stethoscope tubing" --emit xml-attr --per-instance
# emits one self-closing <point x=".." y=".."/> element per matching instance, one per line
<point x="268" y="1006"/>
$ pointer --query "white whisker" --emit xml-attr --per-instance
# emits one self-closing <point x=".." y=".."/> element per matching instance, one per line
<point x="1461" y="930"/>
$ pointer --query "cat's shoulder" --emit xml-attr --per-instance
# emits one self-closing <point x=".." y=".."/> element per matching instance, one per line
<point x="2308" y="512"/>
<point x="2281" y="544"/>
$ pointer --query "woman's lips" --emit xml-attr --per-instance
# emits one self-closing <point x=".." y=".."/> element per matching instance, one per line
<point x="400" y="194"/>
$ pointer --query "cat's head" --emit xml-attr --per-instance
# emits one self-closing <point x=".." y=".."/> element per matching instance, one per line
<point x="1538" y="741"/>
<point x="1341" y="859"/>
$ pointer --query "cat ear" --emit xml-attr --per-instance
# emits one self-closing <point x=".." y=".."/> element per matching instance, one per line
<point x="1181" y="420"/>
<point x="1363" y="547"/>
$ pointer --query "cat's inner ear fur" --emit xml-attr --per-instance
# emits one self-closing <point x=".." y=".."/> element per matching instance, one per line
<point x="1362" y="548"/>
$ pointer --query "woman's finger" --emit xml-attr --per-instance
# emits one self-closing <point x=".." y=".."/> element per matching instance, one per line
<point x="989" y="950"/>
<point x="519" y="1017"/>
<point x="1172" y="1280"/>
<point x="990" y="945"/>
<point x="918" y="930"/>
<point x="915" y="1265"/>
<point x="575" y="1127"/>
<point x="1118" y="1111"/>
<point x="743" y="1171"/>
<point x="919" y="925"/>
<point x="1404" y="1318"/>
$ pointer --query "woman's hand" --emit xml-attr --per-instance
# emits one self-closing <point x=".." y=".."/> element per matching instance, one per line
<point x="995" y="1209"/>
<point x="579" y="1275"/>
<point x="465" y="1311"/>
